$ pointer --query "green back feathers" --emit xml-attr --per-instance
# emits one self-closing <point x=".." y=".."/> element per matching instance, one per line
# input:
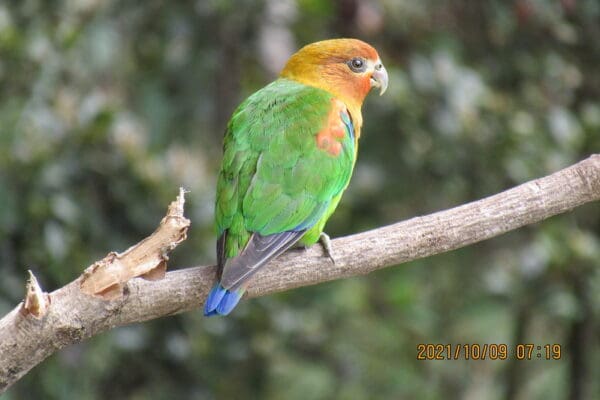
<point x="274" y="178"/>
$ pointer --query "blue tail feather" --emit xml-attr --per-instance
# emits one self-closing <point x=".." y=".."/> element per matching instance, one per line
<point x="221" y="301"/>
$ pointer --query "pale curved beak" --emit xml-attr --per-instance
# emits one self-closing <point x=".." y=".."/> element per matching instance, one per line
<point x="379" y="79"/>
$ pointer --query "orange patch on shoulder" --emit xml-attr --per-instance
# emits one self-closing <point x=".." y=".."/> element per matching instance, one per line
<point x="334" y="131"/>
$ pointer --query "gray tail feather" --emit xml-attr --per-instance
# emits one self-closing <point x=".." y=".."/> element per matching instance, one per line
<point x="259" y="250"/>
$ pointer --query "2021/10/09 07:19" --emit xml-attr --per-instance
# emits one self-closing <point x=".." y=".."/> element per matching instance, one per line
<point x="488" y="351"/>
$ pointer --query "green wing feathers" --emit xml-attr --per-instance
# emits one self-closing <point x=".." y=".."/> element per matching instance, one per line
<point x="276" y="176"/>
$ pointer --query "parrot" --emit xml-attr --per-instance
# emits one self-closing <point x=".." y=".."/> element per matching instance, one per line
<point x="288" y="154"/>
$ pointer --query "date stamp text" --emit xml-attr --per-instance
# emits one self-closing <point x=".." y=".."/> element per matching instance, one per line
<point x="488" y="351"/>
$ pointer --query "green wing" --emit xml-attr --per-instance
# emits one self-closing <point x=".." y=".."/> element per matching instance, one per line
<point x="275" y="182"/>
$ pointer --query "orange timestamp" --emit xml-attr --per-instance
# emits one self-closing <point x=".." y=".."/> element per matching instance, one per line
<point x="488" y="351"/>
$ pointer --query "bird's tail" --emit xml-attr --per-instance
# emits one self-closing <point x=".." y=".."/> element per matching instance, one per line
<point x="221" y="301"/>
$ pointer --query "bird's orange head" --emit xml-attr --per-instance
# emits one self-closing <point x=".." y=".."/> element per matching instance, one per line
<point x="347" y="68"/>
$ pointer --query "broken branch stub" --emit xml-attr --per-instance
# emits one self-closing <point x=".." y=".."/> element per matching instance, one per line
<point x="36" y="301"/>
<point x="147" y="259"/>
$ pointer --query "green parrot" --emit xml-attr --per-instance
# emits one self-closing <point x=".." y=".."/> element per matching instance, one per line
<point x="288" y="155"/>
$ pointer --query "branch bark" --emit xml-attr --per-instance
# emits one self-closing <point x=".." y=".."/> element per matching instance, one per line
<point x="110" y="292"/>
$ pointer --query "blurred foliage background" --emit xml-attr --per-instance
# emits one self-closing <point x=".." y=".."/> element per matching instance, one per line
<point x="108" y="107"/>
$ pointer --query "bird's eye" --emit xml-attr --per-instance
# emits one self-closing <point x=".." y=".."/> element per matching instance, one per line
<point x="357" y="64"/>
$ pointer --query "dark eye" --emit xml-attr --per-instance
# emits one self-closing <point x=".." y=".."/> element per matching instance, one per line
<point x="357" y="64"/>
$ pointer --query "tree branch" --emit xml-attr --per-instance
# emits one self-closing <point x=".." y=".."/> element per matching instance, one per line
<point x="108" y="294"/>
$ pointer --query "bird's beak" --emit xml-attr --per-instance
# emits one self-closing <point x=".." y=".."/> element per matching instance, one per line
<point x="379" y="78"/>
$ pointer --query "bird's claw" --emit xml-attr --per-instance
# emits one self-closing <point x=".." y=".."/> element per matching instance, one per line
<point x="326" y="243"/>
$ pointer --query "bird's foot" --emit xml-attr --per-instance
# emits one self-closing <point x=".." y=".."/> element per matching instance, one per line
<point x="326" y="243"/>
